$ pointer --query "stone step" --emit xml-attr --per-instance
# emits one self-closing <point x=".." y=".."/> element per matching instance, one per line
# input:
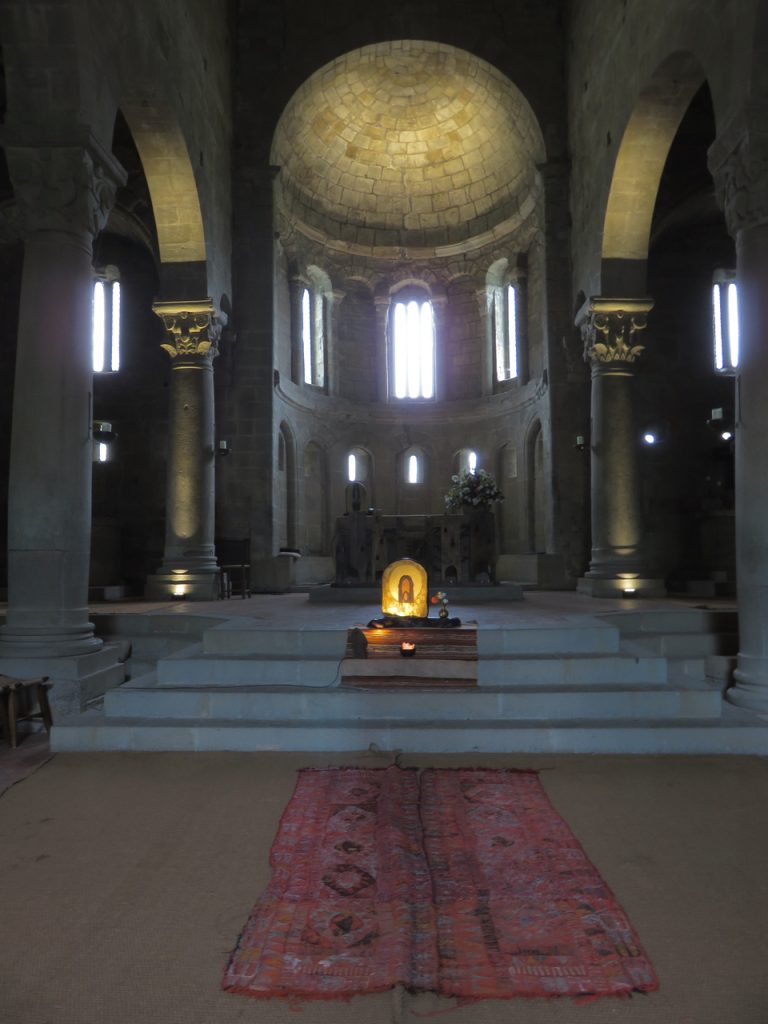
<point x="192" y="668"/>
<point x="674" y="620"/>
<point x="242" y="637"/>
<point x="584" y="670"/>
<point x="588" y="636"/>
<point x="731" y="734"/>
<point x="683" y="645"/>
<point x="428" y="704"/>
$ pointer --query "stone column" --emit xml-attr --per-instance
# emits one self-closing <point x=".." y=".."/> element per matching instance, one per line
<point x="381" y="304"/>
<point x="739" y="161"/>
<point x="333" y="309"/>
<point x="611" y="329"/>
<point x="484" y="298"/>
<point x="296" y="286"/>
<point x="64" y="194"/>
<point x="189" y="567"/>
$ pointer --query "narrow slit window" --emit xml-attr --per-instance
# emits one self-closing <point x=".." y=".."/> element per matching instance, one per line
<point x="105" y="326"/>
<point x="413" y="344"/>
<point x="352" y="467"/>
<point x="413" y="469"/>
<point x="505" y="317"/>
<point x="725" y="321"/>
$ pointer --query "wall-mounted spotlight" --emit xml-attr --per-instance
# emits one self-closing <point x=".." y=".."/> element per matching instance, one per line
<point x="103" y="432"/>
<point x="579" y="444"/>
<point x="721" y="421"/>
<point x="223" y="448"/>
<point x="650" y="438"/>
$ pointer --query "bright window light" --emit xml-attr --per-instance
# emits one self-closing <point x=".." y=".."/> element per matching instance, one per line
<point x="413" y="469"/>
<point x="505" y="328"/>
<point x="718" y="326"/>
<point x="733" y="324"/>
<point x="306" y="334"/>
<point x="98" y="326"/>
<point x="413" y="346"/>
<point x="105" y="326"/>
<point x="725" y="321"/>
<point x="352" y="467"/>
<point x="472" y="462"/>
<point x="115" y="355"/>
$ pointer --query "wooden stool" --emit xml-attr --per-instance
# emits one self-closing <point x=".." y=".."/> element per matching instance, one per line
<point x="9" y="712"/>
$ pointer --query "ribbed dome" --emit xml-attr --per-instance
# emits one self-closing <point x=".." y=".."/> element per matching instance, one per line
<point x="406" y="143"/>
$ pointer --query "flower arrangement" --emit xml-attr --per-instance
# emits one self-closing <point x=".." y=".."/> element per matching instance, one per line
<point x="441" y="598"/>
<point x="475" y="490"/>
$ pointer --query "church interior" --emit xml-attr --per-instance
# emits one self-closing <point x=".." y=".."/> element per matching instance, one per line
<point x="278" y="280"/>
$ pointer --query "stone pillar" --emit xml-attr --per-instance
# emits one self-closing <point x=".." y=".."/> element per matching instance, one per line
<point x="334" y="300"/>
<point x="484" y="298"/>
<point x="64" y="194"/>
<point x="189" y="567"/>
<point x="381" y="304"/>
<point x="739" y="162"/>
<point x="611" y="330"/>
<point x="296" y="286"/>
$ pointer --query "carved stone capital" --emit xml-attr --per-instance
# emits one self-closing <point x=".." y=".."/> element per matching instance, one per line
<point x="738" y="161"/>
<point x="191" y="328"/>
<point x="68" y="188"/>
<point x="610" y="329"/>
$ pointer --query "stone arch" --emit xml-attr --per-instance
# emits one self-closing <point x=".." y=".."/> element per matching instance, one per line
<point x="637" y="172"/>
<point x="285" y="488"/>
<point x="170" y="178"/>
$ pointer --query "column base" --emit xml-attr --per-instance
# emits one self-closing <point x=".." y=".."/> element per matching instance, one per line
<point x="616" y="586"/>
<point x="750" y="684"/>
<point x="182" y="586"/>
<point x="76" y="680"/>
<point x="47" y="642"/>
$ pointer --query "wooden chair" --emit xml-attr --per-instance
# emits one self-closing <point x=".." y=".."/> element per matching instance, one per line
<point x="10" y="691"/>
<point x="234" y="558"/>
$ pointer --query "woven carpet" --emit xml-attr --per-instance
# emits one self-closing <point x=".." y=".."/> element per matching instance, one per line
<point x="462" y="882"/>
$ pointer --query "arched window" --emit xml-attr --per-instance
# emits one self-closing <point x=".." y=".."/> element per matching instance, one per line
<point x="357" y="466"/>
<point x="105" y="322"/>
<point x="413" y="466"/>
<point x="466" y="461"/>
<point x="412" y="345"/>
<point x="725" y="320"/>
<point x="315" y="306"/>
<point x="506" y="299"/>
<point x="505" y="303"/>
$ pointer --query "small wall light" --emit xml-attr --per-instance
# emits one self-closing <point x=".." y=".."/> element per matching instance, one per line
<point x="579" y="444"/>
<point x="726" y="435"/>
<point x="650" y="438"/>
<point x="223" y="448"/>
<point x="407" y="649"/>
<point x="179" y="590"/>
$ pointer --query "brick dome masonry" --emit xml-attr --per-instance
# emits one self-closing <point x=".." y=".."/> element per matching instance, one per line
<point x="407" y="143"/>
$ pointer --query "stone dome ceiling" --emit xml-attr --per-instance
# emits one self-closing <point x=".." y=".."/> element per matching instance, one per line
<point x="406" y="144"/>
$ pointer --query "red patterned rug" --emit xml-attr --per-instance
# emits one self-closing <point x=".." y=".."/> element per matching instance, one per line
<point x="462" y="882"/>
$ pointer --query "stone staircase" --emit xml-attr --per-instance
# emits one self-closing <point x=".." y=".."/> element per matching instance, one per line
<point x="625" y="682"/>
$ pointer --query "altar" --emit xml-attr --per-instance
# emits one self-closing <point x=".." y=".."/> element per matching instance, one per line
<point x="454" y="549"/>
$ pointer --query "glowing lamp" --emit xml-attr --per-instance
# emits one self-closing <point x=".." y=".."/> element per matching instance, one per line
<point x="407" y="649"/>
<point x="179" y="590"/>
<point x="404" y="589"/>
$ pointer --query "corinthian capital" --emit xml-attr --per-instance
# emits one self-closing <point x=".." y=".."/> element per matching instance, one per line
<point x="610" y="329"/>
<point x="191" y="327"/>
<point x="69" y="188"/>
<point x="738" y="161"/>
